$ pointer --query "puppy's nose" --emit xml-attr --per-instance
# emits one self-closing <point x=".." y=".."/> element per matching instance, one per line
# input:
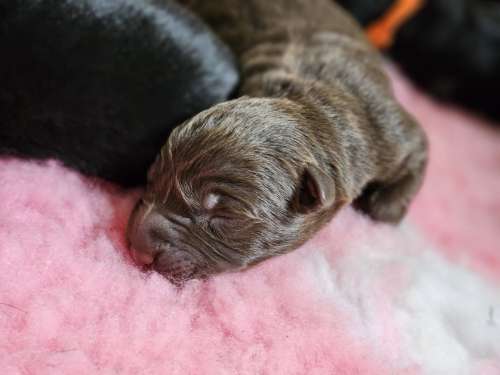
<point x="142" y="258"/>
<point x="146" y="233"/>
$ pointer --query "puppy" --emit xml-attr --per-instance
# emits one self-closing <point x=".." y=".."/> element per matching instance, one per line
<point x="99" y="84"/>
<point x="316" y="128"/>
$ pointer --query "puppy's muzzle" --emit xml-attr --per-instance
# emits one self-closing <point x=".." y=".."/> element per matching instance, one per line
<point x="150" y="235"/>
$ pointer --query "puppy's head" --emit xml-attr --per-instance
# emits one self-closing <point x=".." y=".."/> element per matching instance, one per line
<point x="235" y="185"/>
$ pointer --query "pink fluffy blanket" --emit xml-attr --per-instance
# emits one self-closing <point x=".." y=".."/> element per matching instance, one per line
<point x="360" y="298"/>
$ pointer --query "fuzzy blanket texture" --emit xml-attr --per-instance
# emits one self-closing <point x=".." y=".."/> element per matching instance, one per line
<point x="360" y="298"/>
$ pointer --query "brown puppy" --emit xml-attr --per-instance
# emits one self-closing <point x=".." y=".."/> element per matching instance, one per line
<point x="316" y="128"/>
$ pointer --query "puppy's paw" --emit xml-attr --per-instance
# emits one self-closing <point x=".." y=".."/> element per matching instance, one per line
<point x="383" y="203"/>
<point x="389" y="201"/>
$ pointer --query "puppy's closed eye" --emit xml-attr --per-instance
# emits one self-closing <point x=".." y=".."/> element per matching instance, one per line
<point x="211" y="201"/>
<point x="220" y="206"/>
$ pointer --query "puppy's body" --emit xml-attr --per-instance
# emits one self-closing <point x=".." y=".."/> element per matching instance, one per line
<point x="316" y="128"/>
<point x="315" y="55"/>
<point x="100" y="84"/>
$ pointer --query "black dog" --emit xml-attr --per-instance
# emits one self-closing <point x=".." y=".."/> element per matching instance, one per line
<point x="100" y="84"/>
<point x="450" y="48"/>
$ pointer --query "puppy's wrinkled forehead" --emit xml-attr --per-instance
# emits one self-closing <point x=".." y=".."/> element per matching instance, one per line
<point x="232" y="144"/>
<point x="249" y="123"/>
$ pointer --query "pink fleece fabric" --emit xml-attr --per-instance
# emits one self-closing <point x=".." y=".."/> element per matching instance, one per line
<point x="360" y="298"/>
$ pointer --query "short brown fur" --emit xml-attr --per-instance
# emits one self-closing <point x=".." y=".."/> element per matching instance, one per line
<point x="316" y="128"/>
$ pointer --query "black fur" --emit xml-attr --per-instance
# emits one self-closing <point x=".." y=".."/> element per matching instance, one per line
<point x="100" y="84"/>
<point x="450" y="48"/>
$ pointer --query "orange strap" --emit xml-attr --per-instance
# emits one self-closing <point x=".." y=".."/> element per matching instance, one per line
<point x="382" y="31"/>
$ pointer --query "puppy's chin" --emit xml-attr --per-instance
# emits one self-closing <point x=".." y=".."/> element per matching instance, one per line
<point x="178" y="271"/>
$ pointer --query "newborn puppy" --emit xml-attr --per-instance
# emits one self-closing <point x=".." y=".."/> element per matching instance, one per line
<point x="99" y="84"/>
<point x="316" y="128"/>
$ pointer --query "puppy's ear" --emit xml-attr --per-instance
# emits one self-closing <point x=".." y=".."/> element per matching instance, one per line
<point x="315" y="191"/>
